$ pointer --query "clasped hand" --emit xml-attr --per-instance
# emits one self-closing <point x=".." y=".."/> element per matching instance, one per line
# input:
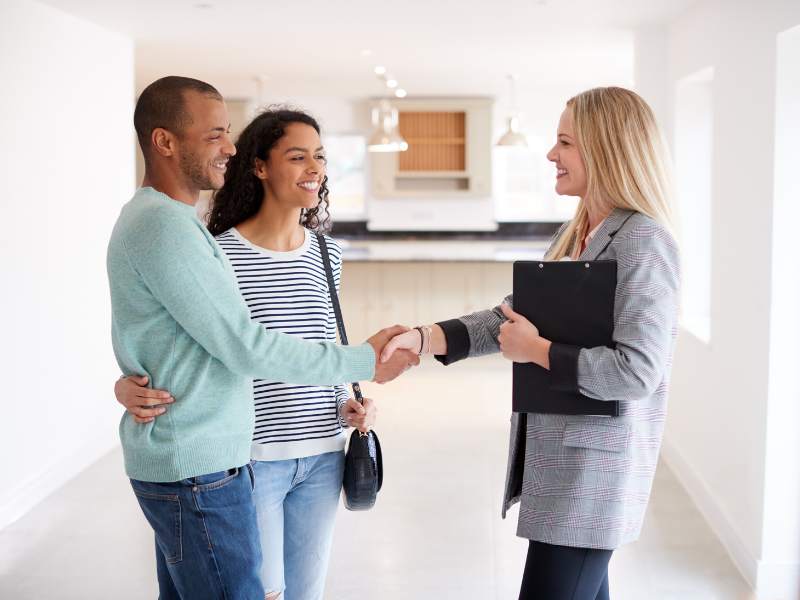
<point x="520" y="340"/>
<point x="362" y="417"/>
<point x="143" y="403"/>
<point x="390" y="367"/>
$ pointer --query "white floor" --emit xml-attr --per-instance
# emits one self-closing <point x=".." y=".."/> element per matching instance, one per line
<point x="435" y="533"/>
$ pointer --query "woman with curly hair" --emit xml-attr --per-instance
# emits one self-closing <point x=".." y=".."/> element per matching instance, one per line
<point x="264" y="218"/>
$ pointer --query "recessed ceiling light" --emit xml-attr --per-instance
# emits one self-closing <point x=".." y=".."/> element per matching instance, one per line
<point x="392" y="83"/>
<point x="631" y="82"/>
<point x="380" y="70"/>
<point x="400" y="93"/>
<point x="365" y="52"/>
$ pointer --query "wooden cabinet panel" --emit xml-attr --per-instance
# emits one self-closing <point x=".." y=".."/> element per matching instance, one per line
<point x="436" y="141"/>
<point x="378" y="295"/>
<point x="402" y="287"/>
<point x="358" y="292"/>
<point x="498" y="280"/>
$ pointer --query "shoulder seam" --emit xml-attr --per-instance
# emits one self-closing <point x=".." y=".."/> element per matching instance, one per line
<point x="637" y="225"/>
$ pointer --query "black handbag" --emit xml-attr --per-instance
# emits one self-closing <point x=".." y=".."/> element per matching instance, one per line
<point x="363" y="462"/>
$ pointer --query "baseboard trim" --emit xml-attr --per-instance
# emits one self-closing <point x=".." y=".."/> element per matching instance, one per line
<point x="24" y="496"/>
<point x="771" y="581"/>
<point x="715" y="516"/>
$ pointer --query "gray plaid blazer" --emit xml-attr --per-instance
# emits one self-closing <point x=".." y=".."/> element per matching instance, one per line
<point x="585" y="481"/>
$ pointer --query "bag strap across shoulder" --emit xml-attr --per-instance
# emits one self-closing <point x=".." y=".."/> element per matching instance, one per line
<point x="326" y="261"/>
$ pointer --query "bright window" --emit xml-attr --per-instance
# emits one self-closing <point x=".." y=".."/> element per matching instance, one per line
<point x="694" y="116"/>
<point x="346" y="175"/>
<point x="524" y="185"/>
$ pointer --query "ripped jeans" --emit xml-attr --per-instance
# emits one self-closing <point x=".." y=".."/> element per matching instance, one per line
<point x="296" y="502"/>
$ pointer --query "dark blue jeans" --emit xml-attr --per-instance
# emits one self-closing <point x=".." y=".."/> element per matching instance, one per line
<point x="207" y="544"/>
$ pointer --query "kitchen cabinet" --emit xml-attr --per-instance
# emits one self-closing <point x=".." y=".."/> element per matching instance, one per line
<point x="449" y="151"/>
<point x="375" y="295"/>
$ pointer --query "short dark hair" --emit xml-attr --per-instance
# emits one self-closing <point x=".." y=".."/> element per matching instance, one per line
<point x="163" y="104"/>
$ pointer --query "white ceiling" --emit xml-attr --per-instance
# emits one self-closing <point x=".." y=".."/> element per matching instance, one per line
<point x="433" y="47"/>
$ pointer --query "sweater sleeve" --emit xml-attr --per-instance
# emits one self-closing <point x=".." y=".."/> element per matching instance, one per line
<point x="189" y="275"/>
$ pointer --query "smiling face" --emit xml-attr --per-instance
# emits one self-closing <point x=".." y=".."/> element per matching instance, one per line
<point x="204" y="147"/>
<point x="571" y="177"/>
<point x="295" y="168"/>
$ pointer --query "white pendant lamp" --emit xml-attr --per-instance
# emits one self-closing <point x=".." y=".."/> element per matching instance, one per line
<point x="513" y="137"/>
<point x="386" y="137"/>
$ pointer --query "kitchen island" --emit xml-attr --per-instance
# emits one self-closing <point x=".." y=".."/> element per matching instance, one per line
<point x="415" y="281"/>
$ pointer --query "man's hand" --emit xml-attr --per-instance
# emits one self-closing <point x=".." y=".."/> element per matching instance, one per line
<point x="358" y="416"/>
<point x="137" y="399"/>
<point x="400" y="361"/>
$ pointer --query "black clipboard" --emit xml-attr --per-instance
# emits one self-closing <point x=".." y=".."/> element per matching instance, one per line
<point x="571" y="302"/>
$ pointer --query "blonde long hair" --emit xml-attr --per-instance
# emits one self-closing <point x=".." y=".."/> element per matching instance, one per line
<point x="626" y="157"/>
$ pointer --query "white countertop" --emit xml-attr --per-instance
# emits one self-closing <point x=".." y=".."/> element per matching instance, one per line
<point x="442" y="251"/>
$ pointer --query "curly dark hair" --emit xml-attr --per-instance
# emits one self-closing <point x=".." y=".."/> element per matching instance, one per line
<point x="241" y="196"/>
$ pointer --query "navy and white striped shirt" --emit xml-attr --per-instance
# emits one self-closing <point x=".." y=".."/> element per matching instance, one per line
<point x="288" y="292"/>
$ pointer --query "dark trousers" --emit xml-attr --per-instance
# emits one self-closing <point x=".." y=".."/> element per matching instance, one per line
<point x="565" y="573"/>
<point x="207" y="544"/>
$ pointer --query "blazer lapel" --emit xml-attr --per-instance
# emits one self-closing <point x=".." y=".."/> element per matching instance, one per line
<point x="611" y="225"/>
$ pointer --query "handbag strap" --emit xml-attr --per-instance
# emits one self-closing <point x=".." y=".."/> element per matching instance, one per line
<point x="326" y="261"/>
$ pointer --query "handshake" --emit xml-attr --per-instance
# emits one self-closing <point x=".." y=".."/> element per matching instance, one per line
<point x="393" y="356"/>
<point x="396" y="350"/>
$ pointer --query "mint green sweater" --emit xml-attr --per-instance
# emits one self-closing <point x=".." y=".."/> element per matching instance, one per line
<point x="178" y="317"/>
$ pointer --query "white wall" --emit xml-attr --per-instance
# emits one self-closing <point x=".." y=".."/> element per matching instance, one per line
<point x="67" y="166"/>
<point x="651" y="71"/>
<point x="781" y="534"/>
<point x="724" y="426"/>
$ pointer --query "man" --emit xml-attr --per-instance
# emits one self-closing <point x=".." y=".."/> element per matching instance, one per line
<point x="178" y="317"/>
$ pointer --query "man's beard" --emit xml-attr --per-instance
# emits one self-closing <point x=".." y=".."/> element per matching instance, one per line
<point x="195" y="175"/>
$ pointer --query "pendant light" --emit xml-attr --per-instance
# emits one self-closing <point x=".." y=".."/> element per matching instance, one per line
<point x="385" y="119"/>
<point x="386" y="137"/>
<point x="513" y="137"/>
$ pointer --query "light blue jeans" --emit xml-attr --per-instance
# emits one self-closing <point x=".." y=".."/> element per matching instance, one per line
<point x="296" y="502"/>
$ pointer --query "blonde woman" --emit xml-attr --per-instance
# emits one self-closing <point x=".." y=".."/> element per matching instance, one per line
<point x="584" y="482"/>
